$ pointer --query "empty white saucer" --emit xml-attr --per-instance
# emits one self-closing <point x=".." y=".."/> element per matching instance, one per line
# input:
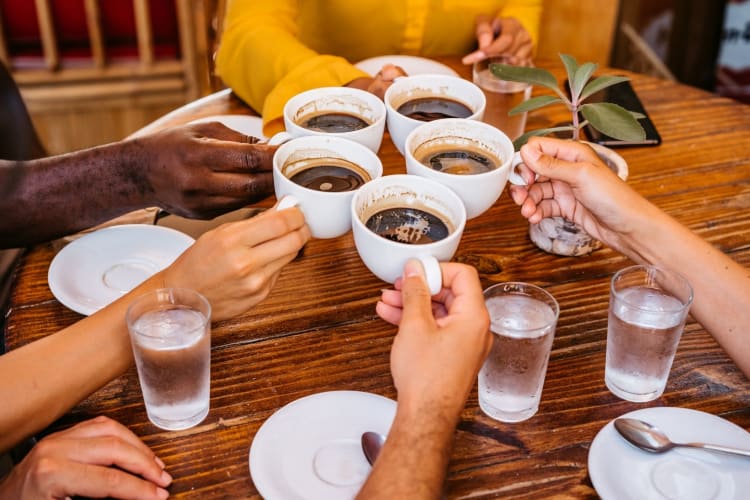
<point x="413" y="65"/>
<point x="100" y="267"/>
<point x="311" y="449"/>
<point x="244" y="124"/>
<point x="619" y="470"/>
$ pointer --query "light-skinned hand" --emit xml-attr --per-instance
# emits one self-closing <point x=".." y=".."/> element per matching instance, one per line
<point x="574" y="183"/>
<point x="500" y="36"/>
<point x="235" y="265"/>
<point x="97" y="458"/>
<point x="441" y="341"/>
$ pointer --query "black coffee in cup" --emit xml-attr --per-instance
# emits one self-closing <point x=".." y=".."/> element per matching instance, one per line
<point x="427" y="109"/>
<point x="333" y="122"/>
<point x="461" y="158"/>
<point x="408" y="225"/>
<point x="329" y="174"/>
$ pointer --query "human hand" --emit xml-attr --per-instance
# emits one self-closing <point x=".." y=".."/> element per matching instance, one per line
<point x="202" y="170"/>
<point x="441" y="341"/>
<point x="382" y="80"/>
<point x="235" y="265"/>
<point x="574" y="183"/>
<point x="97" y="458"/>
<point x="500" y="36"/>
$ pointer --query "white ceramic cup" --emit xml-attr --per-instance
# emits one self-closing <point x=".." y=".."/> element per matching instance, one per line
<point x="336" y="100"/>
<point x="327" y="213"/>
<point x="408" y="88"/>
<point x="385" y="257"/>
<point x="477" y="191"/>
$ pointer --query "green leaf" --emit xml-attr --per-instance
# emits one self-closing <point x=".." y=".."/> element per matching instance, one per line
<point x="571" y="65"/>
<point x="520" y="141"/>
<point x="534" y="103"/>
<point x="614" y="121"/>
<point x="601" y="83"/>
<point x="580" y="78"/>
<point x="534" y="76"/>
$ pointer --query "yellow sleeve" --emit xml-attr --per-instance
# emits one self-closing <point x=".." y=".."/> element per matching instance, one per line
<point x="262" y="60"/>
<point x="528" y="12"/>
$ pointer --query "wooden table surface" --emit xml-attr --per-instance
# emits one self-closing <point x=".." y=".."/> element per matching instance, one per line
<point x="318" y="331"/>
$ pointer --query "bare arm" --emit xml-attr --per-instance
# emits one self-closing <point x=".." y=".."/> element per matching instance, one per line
<point x="435" y="358"/>
<point x="578" y="186"/>
<point x="234" y="266"/>
<point x="198" y="171"/>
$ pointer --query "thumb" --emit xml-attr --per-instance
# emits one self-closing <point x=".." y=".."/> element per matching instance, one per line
<point x="415" y="293"/>
<point x="553" y="158"/>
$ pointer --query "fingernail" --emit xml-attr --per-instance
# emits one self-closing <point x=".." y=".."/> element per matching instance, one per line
<point x="159" y="461"/>
<point x="165" y="477"/>
<point x="413" y="268"/>
<point x="162" y="493"/>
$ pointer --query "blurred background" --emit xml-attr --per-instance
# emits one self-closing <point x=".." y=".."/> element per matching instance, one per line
<point x="94" y="71"/>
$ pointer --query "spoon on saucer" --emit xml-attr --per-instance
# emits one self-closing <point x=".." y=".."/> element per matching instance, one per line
<point x="648" y="437"/>
<point x="371" y="444"/>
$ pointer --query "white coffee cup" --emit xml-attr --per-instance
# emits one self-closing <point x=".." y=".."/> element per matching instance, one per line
<point x="409" y="88"/>
<point x="327" y="212"/>
<point x="477" y="191"/>
<point x="343" y="100"/>
<point x="386" y="258"/>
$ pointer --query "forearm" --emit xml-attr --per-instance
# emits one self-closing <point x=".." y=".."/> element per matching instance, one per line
<point x="721" y="286"/>
<point x="51" y="197"/>
<point x="45" y="379"/>
<point x="413" y="462"/>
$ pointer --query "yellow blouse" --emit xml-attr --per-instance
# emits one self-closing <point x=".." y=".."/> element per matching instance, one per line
<point x="272" y="50"/>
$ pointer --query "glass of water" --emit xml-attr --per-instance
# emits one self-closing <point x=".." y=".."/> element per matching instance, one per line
<point x="170" y="331"/>
<point x="523" y="319"/>
<point x="648" y="306"/>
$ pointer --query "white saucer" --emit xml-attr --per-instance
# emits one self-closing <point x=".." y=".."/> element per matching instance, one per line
<point x="310" y="448"/>
<point x="413" y="65"/>
<point x="619" y="470"/>
<point x="244" y="124"/>
<point x="100" y="267"/>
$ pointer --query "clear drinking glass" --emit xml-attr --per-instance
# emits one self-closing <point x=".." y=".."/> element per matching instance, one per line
<point x="523" y="319"/>
<point x="170" y="331"/>
<point x="502" y="96"/>
<point x="648" y="306"/>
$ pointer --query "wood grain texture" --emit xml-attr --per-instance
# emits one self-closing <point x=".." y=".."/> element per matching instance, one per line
<point x="318" y="331"/>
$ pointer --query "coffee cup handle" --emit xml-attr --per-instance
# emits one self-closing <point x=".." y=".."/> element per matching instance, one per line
<point x="432" y="272"/>
<point x="280" y="138"/>
<point x="287" y="201"/>
<point x="514" y="177"/>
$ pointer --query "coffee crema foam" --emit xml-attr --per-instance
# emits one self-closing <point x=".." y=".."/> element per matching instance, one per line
<point x="408" y="225"/>
<point x="333" y="122"/>
<point x="427" y="109"/>
<point x="460" y="157"/>
<point x="327" y="174"/>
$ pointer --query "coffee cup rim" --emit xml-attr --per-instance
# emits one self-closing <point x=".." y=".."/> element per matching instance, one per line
<point x="447" y="122"/>
<point x="445" y="192"/>
<point x="315" y="141"/>
<point x="378" y="107"/>
<point x="429" y="77"/>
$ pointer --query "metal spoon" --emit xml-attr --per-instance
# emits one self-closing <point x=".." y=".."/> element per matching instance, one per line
<point x="647" y="437"/>
<point x="371" y="444"/>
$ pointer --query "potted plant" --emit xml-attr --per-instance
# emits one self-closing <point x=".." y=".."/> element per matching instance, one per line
<point x="556" y="234"/>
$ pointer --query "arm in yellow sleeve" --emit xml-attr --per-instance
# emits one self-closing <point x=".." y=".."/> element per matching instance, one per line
<point x="528" y="12"/>
<point x="263" y="61"/>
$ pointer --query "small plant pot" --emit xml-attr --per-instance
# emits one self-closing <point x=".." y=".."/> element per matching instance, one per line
<point x="560" y="236"/>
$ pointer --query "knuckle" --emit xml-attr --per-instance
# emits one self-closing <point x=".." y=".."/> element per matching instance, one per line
<point x="44" y="470"/>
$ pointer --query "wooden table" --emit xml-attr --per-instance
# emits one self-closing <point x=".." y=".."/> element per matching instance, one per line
<point x="318" y="331"/>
